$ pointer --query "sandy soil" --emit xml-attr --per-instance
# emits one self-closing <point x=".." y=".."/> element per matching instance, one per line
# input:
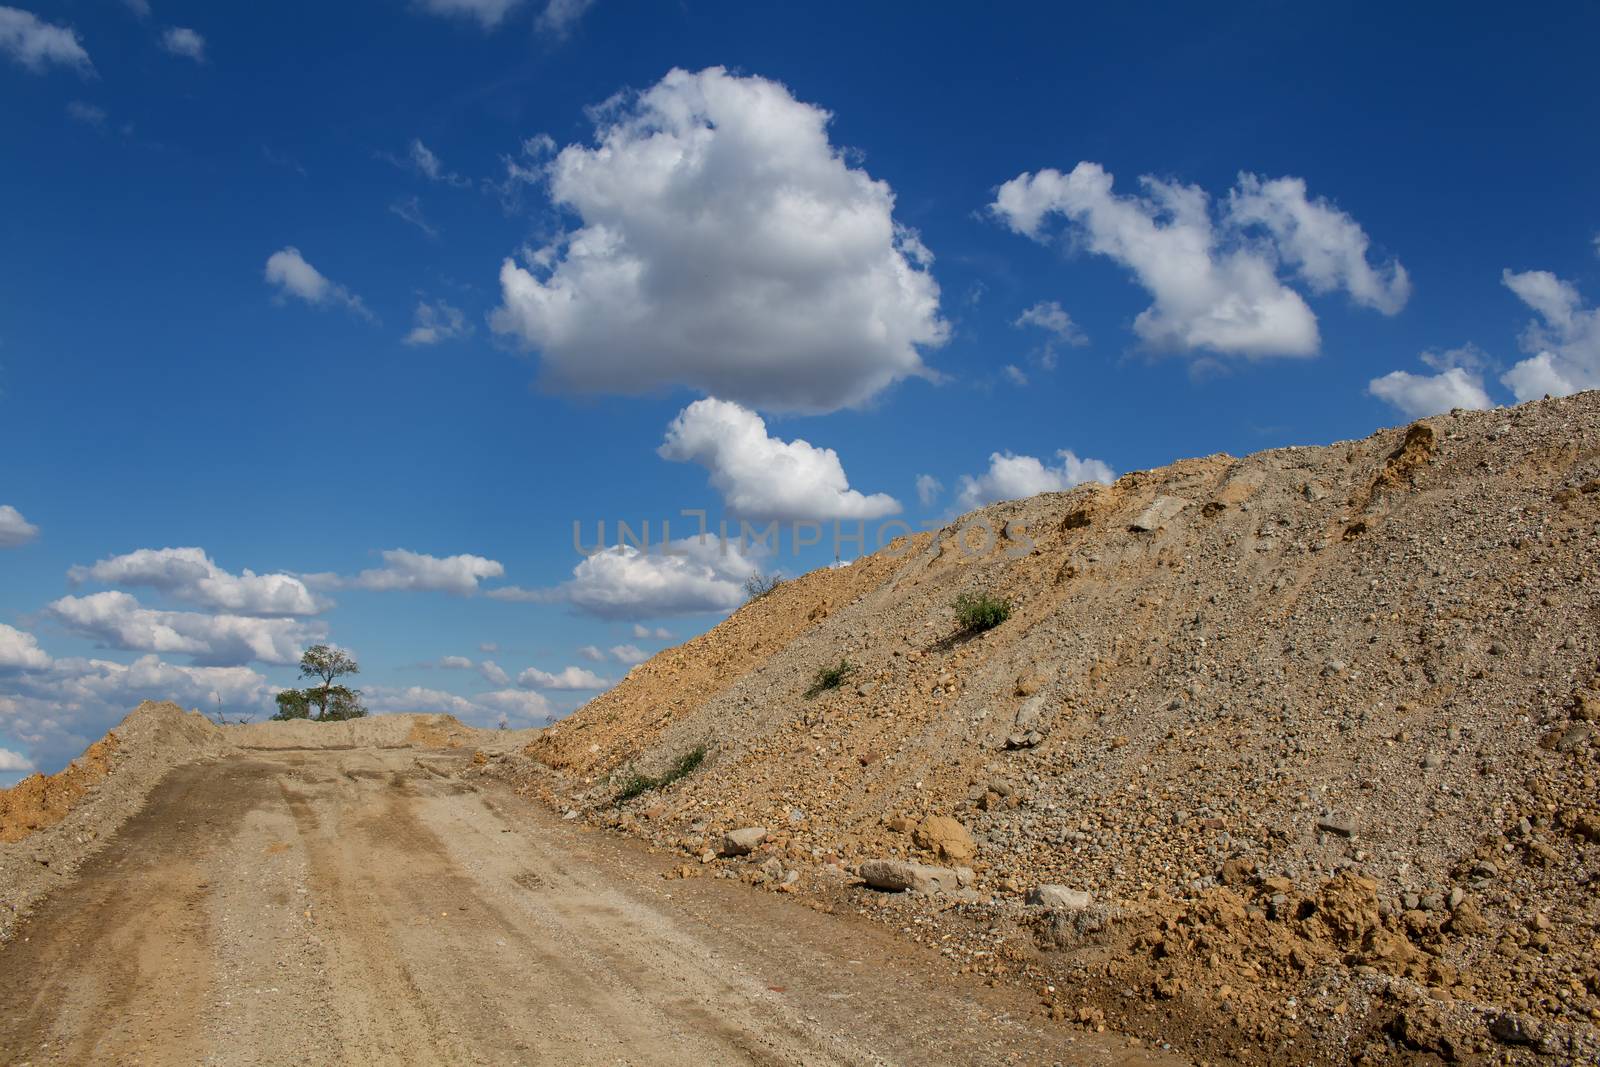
<point x="366" y="905"/>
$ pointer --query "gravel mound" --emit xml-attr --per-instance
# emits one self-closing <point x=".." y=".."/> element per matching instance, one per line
<point x="50" y="824"/>
<point x="1314" y="729"/>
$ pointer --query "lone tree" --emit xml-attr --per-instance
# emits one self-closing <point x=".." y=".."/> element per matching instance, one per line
<point x="333" y="701"/>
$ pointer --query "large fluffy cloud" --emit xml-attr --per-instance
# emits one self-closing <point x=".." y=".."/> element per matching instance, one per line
<point x="19" y="650"/>
<point x="189" y="574"/>
<point x="763" y="477"/>
<point x="621" y="583"/>
<point x="1214" y="281"/>
<point x="117" y="620"/>
<point x="295" y="276"/>
<point x="15" y="531"/>
<point x="726" y="245"/>
<point x="1011" y="477"/>
<point x="404" y="569"/>
<point x="1565" y="344"/>
<point x="37" y="45"/>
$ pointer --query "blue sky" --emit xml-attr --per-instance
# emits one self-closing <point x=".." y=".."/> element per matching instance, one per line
<point x="293" y="286"/>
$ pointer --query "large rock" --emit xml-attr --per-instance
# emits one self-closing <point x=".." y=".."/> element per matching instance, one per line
<point x="742" y="842"/>
<point x="1060" y="898"/>
<point x="1161" y="511"/>
<point x="946" y="838"/>
<point x="897" y="876"/>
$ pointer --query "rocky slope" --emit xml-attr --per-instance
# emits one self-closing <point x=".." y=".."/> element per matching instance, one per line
<point x="1305" y="739"/>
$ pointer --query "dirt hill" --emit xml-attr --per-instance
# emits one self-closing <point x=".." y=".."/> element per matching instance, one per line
<point x="50" y="824"/>
<point x="1308" y="734"/>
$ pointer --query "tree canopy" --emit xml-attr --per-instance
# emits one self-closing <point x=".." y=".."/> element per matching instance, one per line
<point x="334" y="703"/>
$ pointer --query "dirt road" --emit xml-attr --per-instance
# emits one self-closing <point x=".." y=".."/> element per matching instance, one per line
<point x="366" y="906"/>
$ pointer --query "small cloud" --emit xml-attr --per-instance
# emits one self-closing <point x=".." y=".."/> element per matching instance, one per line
<point x="294" y="276"/>
<point x="1048" y="315"/>
<point x="765" y="477"/>
<point x="426" y="162"/>
<point x="436" y="322"/>
<point x="36" y="45"/>
<point x="1014" y="374"/>
<point x="1419" y="395"/>
<point x="410" y="209"/>
<point x="487" y="13"/>
<point x="87" y="114"/>
<point x="15" y="531"/>
<point x="591" y="653"/>
<point x="419" y="572"/>
<point x="12" y="762"/>
<point x="560" y="16"/>
<point x="567" y="678"/>
<point x="629" y="654"/>
<point x="182" y="41"/>
<point x="645" y="633"/>
<point x="928" y="489"/>
<point x="1012" y="477"/>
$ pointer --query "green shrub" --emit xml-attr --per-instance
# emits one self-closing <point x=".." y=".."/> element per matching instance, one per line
<point x="829" y="678"/>
<point x="638" y="784"/>
<point x="977" y="612"/>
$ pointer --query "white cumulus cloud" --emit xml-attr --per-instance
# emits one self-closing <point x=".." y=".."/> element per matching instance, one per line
<point x="1326" y="247"/>
<point x="118" y="620"/>
<point x="19" y="650"/>
<point x="294" y="276"/>
<point x="659" y="633"/>
<point x="1011" y="477"/>
<point x="406" y="570"/>
<point x="929" y="489"/>
<point x="763" y="477"/>
<point x="1419" y="395"/>
<point x="518" y="705"/>
<point x="1214" y="281"/>
<point x="189" y="574"/>
<point x="726" y="245"/>
<point x="36" y="45"/>
<point x="12" y="762"/>
<point x="15" y="531"/>
<point x="566" y="678"/>
<point x="629" y="654"/>
<point x="622" y="583"/>
<point x="1564" y="342"/>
